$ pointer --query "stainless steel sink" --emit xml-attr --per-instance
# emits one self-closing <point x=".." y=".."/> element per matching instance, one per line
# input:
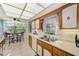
<point x="53" y="40"/>
<point x="49" y="40"/>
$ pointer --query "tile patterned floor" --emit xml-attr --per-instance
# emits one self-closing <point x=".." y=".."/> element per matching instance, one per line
<point x="18" y="49"/>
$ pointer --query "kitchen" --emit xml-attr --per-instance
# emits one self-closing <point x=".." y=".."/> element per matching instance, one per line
<point x="56" y="33"/>
<point x="49" y="29"/>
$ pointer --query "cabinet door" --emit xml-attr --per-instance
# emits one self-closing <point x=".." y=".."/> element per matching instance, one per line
<point x="39" y="50"/>
<point x="34" y="43"/>
<point x="37" y="24"/>
<point x="46" y="53"/>
<point x="33" y="26"/>
<point x="58" y="52"/>
<point x="30" y="41"/>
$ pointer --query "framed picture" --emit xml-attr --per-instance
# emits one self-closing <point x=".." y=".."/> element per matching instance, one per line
<point x="69" y="17"/>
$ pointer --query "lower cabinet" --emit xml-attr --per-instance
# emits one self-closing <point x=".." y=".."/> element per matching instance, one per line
<point x="34" y="43"/>
<point x="46" y="53"/>
<point x="39" y="50"/>
<point x="59" y="52"/>
<point x="30" y="41"/>
<point x="44" y="49"/>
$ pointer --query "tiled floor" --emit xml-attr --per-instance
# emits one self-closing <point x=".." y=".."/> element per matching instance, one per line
<point x="18" y="49"/>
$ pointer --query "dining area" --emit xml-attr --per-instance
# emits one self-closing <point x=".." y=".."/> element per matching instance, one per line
<point x="11" y="32"/>
<point x="14" y="37"/>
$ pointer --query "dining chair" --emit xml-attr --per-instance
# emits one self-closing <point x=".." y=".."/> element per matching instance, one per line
<point x="19" y="37"/>
<point x="11" y="38"/>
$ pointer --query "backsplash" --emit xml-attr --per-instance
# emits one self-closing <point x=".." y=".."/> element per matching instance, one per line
<point x="68" y="34"/>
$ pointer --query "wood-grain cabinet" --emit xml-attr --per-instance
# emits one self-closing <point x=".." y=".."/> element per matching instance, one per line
<point x="34" y="43"/>
<point x="44" y="49"/>
<point x="39" y="50"/>
<point x="59" y="52"/>
<point x="49" y="50"/>
<point x="30" y="41"/>
<point x="46" y="52"/>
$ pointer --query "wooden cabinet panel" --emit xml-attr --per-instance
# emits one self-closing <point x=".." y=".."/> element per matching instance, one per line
<point x="30" y="41"/>
<point x="39" y="50"/>
<point x="46" y="52"/>
<point x="58" y="52"/>
<point x="46" y="47"/>
<point x="37" y="24"/>
<point x="78" y="15"/>
<point x="34" y="43"/>
<point x="41" y="24"/>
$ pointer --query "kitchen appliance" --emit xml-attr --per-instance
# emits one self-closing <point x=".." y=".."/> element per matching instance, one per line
<point x="76" y="40"/>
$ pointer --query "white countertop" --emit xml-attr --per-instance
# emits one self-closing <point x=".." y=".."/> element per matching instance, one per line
<point x="63" y="44"/>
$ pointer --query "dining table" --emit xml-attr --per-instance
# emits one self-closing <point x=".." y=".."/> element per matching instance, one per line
<point x="14" y="36"/>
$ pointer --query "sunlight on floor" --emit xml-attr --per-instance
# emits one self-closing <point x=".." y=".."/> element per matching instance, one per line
<point x="18" y="49"/>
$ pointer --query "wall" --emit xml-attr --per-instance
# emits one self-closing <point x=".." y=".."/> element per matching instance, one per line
<point x="70" y="26"/>
<point x="69" y="34"/>
<point x="2" y="16"/>
<point x="2" y="13"/>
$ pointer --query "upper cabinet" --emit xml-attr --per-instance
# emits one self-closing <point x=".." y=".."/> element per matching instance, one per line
<point x="37" y="24"/>
<point x="33" y="26"/>
<point x="41" y="21"/>
<point x="69" y="17"/>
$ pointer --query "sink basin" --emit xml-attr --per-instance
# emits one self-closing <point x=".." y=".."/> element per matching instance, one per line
<point x="41" y="37"/>
<point x="53" y="40"/>
<point x="49" y="40"/>
<point x="60" y="42"/>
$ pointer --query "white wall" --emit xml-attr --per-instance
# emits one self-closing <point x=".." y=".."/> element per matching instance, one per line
<point x="2" y="13"/>
<point x="2" y="16"/>
<point x="69" y="34"/>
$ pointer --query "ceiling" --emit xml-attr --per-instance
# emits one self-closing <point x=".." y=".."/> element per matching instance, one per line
<point x="24" y="10"/>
